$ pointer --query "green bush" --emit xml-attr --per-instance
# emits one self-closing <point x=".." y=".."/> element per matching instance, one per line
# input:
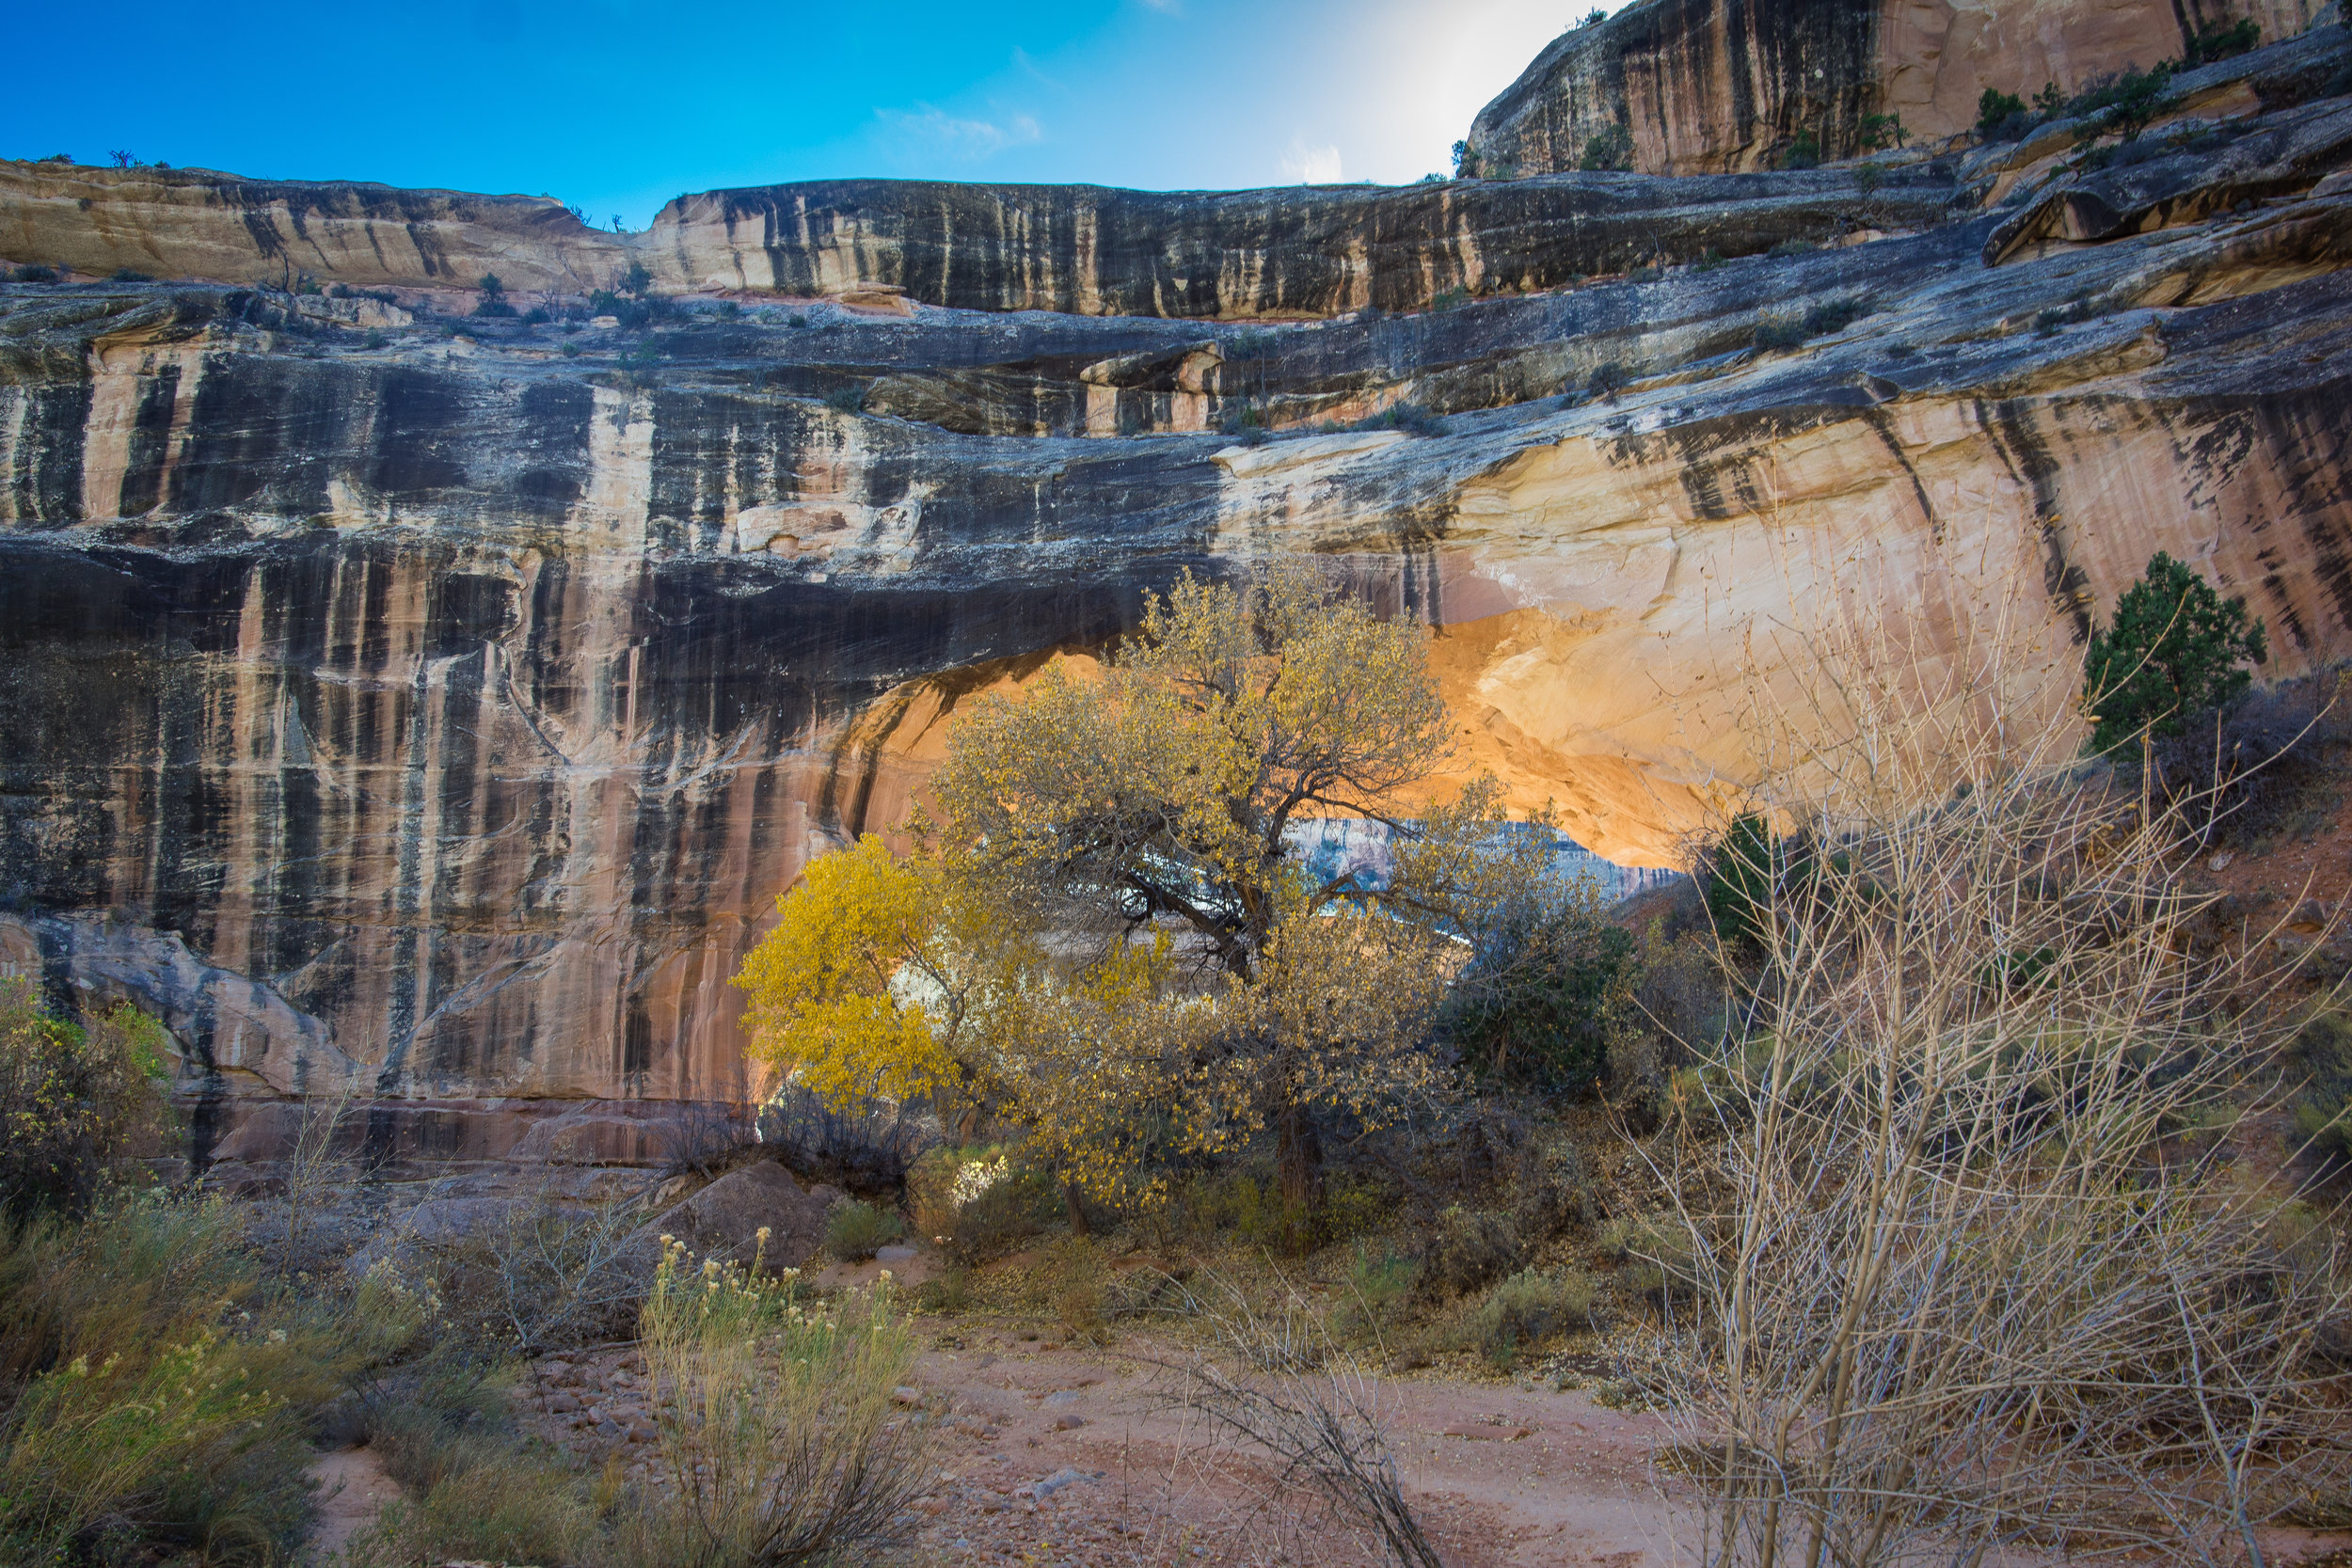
<point x="160" y="1397"/>
<point x="2132" y="97"/>
<point x="1380" y="1282"/>
<point x="1466" y="1249"/>
<point x="74" y="1099"/>
<point x="1881" y="131"/>
<point x="2174" y="649"/>
<point x="1804" y="150"/>
<point x="1867" y="178"/>
<point x="1832" y="316"/>
<point x="845" y="400"/>
<point x="2323" y="1052"/>
<point x="493" y="301"/>
<point x="855" y="1231"/>
<point x="1531" y="1309"/>
<point x="2215" y="41"/>
<point x="1248" y="1205"/>
<point x="1998" y="113"/>
<point x="1541" y="1009"/>
<point x="1738" y="873"/>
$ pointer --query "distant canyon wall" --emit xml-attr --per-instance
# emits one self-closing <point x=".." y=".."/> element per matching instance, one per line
<point x="1709" y="86"/>
<point x="1295" y="254"/>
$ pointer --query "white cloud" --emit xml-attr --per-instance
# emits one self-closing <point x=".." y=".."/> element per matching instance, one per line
<point x="924" y="131"/>
<point x="1311" y="166"/>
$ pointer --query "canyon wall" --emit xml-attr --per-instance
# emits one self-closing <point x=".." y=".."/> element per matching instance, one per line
<point x="436" y="705"/>
<point x="1709" y="86"/>
<point x="1079" y="249"/>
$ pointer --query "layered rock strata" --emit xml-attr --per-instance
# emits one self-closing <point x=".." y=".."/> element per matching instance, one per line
<point x="1077" y="250"/>
<point x="1708" y="86"/>
<point x="438" y="705"/>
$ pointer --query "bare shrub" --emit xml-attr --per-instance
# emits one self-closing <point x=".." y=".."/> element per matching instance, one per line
<point x="542" y="1271"/>
<point x="1970" y="1265"/>
<point x="317" y="1177"/>
<point x="778" y="1441"/>
<point x="1282" y="1388"/>
<point x="865" y="1146"/>
<point x="703" y="1137"/>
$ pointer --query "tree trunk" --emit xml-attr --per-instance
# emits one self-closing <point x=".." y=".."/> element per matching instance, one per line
<point x="1299" y="1157"/>
<point x="1076" y="1205"/>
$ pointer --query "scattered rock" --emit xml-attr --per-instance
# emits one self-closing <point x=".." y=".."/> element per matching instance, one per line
<point x="1479" y="1431"/>
<point x="1055" y="1482"/>
<point x="725" y="1218"/>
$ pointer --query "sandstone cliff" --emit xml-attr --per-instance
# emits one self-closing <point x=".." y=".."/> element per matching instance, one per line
<point x="1084" y="250"/>
<point x="1705" y="85"/>
<point x="439" y="703"/>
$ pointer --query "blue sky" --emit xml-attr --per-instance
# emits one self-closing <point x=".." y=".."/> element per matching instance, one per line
<point x="618" y="105"/>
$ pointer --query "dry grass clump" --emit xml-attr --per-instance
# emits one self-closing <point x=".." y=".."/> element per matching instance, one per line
<point x="855" y="1231"/>
<point x="1956" y="1281"/>
<point x="152" y="1397"/>
<point x="778" y="1441"/>
<point x="1531" y="1310"/>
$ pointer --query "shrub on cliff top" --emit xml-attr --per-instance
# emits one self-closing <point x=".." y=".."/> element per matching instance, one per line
<point x="2000" y="116"/>
<point x="2217" y="42"/>
<point x="1611" y="150"/>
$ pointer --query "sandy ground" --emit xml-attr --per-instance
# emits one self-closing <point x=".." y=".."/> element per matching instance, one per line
<point x="351" y="1489"/>
<point x="1068" y="1453"/>
<point x="1053" y="1453"/>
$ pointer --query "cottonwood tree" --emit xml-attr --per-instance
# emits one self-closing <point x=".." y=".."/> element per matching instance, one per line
<point x="1163" y="792"/>
<point x="874" y="981"/>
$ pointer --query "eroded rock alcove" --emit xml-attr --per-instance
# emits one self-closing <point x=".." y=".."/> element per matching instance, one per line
<point x="434" y="702"/>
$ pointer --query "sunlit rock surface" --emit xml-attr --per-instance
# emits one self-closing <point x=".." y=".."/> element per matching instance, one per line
<point x="1705" y="85"/>
<point x="436" y="705"/>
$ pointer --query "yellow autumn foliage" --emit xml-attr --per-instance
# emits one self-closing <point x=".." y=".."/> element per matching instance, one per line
<point x="853" y="992"/>
<point x="1118" y="947"/>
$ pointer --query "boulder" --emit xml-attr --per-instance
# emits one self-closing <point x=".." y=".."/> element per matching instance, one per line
<point x="724" y="1219"/>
